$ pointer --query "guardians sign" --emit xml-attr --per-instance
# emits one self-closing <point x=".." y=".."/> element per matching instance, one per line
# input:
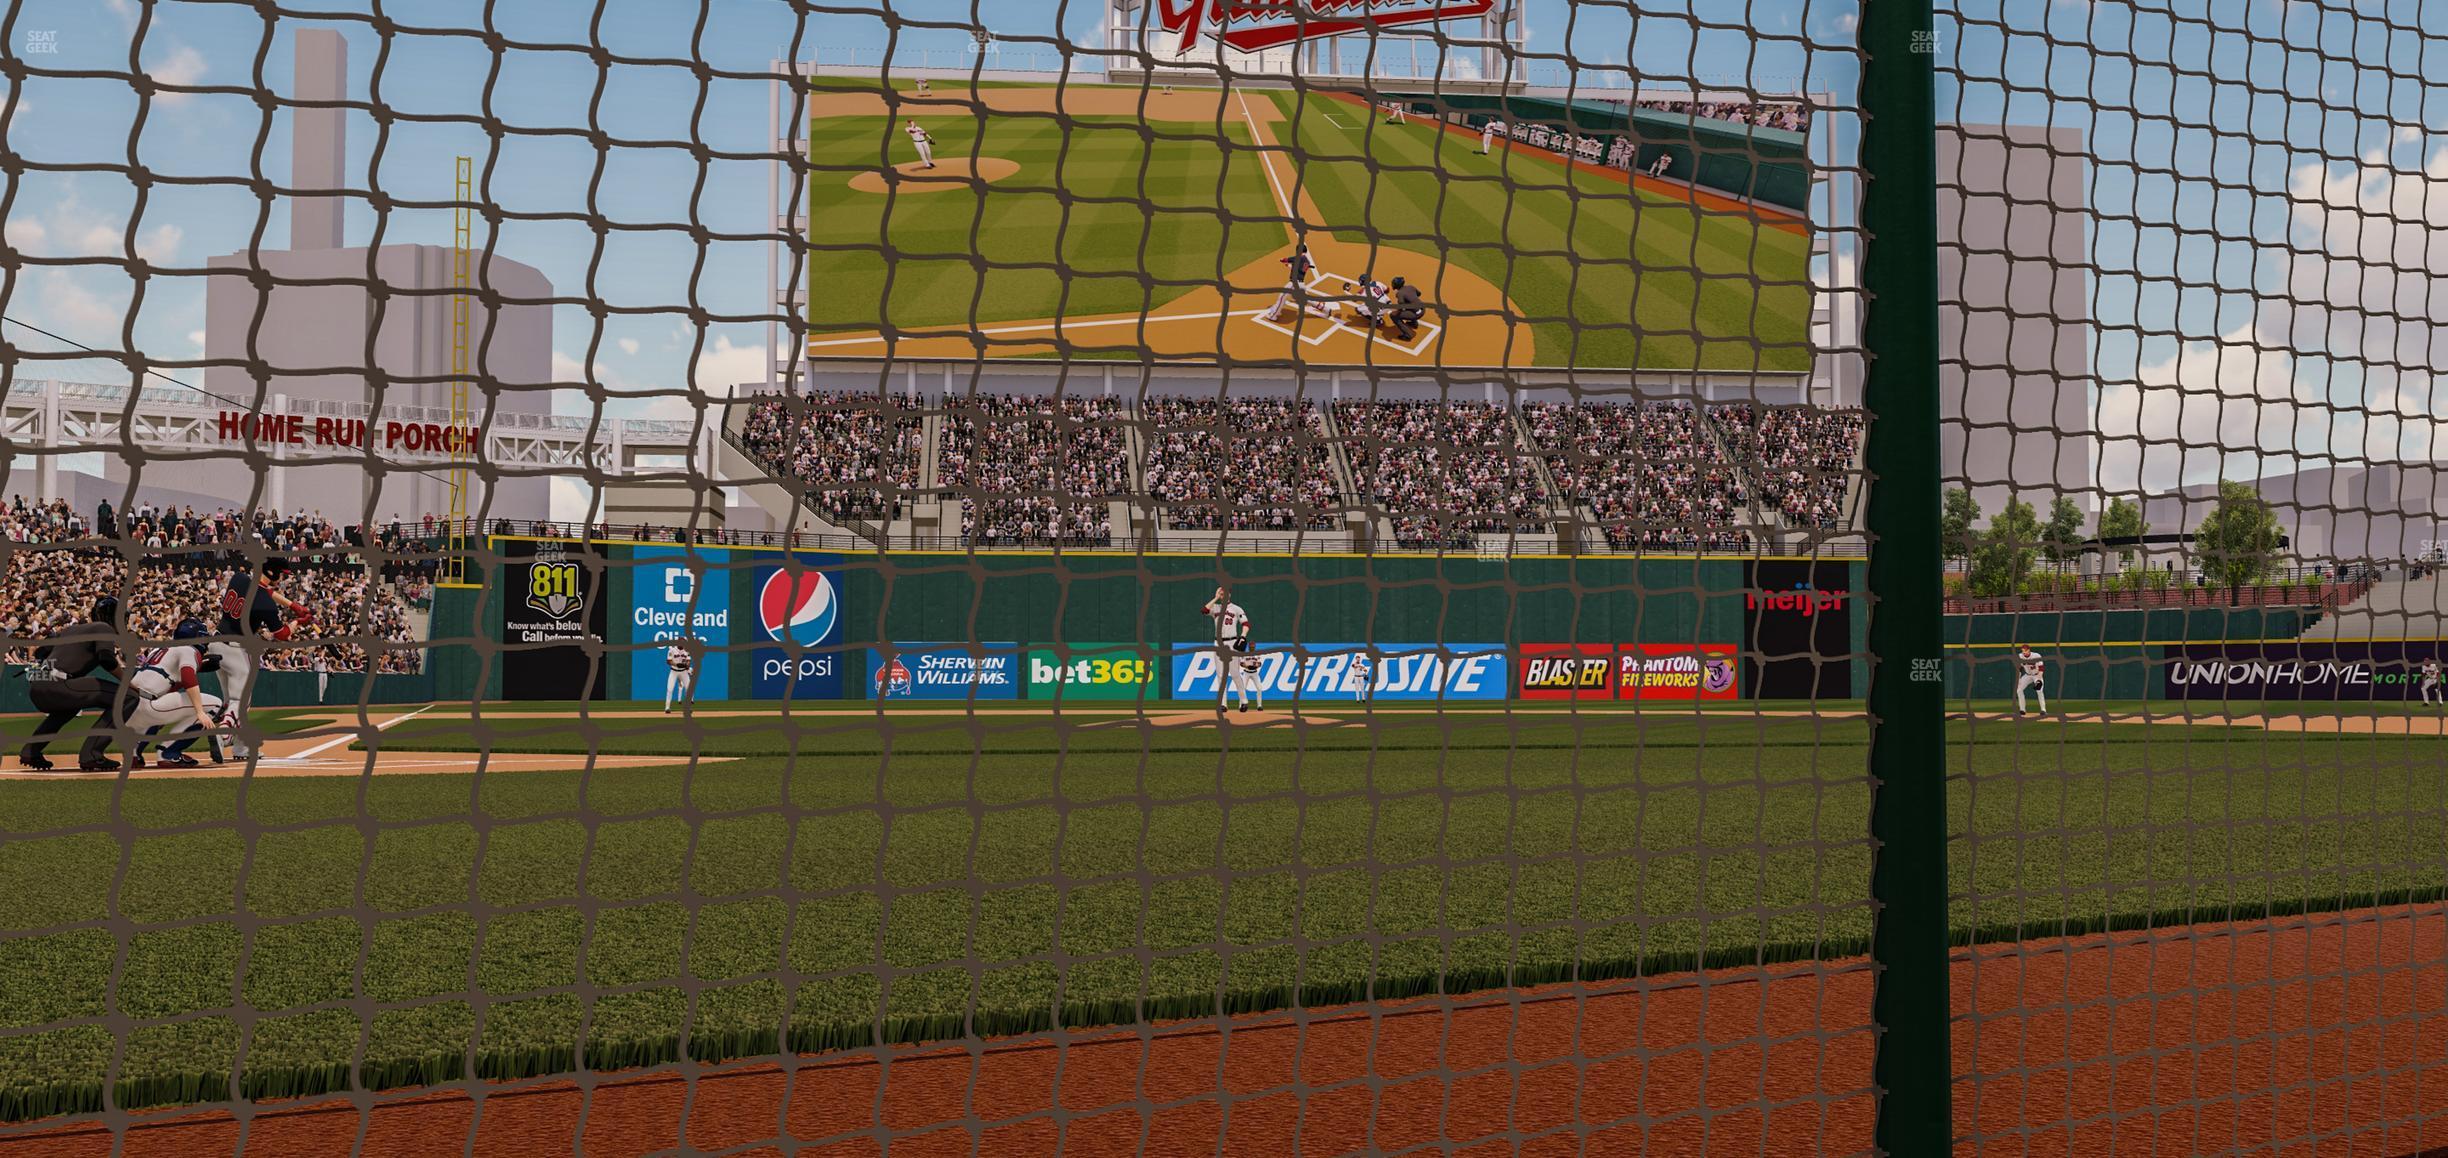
<point x="1251" y="26"/>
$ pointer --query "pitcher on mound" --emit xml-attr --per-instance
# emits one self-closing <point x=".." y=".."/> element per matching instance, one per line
<point x="1232" y="641"/>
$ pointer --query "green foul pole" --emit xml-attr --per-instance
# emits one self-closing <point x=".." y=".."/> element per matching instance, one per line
<point x="1899" y="273"/>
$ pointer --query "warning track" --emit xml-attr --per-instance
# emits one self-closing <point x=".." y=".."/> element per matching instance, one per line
<point x="2227" y="1038"/>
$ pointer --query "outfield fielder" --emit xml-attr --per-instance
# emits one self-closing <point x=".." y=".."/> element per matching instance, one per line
<point x="925" y="143"/>
<point x="1488" y="133"/>
<point x="2031" y="673"/>
<point x="2431" y="683"/>
<point x="683" y="668"/>
<point x="1232" y="632"/>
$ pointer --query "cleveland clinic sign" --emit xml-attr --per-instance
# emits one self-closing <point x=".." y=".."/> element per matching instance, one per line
<point x="1251" y="27"/>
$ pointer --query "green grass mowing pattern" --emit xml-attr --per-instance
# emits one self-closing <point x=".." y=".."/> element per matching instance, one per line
<point x="957" y="891"/>
<point x="15" y="729"/>
<point x="1626" y="277"/>
<point x="1212" y="214"/>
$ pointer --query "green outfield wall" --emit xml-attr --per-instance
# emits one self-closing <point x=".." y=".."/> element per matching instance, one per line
<point x="2097" y="655"/>
<point x="1044" y="604"/>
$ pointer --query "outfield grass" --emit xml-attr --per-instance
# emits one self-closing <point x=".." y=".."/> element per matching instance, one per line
<point x="1617" y="276"/>
<point x="946" y="888"/>
<point x="1020" y="249"/>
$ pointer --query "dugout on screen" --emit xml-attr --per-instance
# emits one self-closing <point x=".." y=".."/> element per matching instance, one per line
<point x="1797" y="630"/>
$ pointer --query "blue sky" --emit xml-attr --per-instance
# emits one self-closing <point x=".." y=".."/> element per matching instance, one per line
<point x="2246" y="150"/>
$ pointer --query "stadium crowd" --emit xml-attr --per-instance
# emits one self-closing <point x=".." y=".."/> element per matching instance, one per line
<point x="1032" y="470"/>
<point x="1791" y="116"/>
<point x="52" y="571"/>
<point x="1803" y="459"/>
<point x="1649" y="472"/>
<point x="1244" y="464"/>
<point x="1442" y="472"/>
<point x="854" y="452"/>
<point x="1061" y="461"/>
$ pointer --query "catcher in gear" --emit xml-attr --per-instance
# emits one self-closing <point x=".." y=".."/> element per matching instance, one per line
<point x="1371" y="301"/>
<point x="169" y="695"/>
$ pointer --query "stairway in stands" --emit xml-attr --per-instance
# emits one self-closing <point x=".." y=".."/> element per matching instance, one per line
<point x="2396" y="607"/>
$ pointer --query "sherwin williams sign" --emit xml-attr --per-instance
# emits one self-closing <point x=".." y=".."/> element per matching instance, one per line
<point x="934" y="671"/>
<point x="801" y="608"/>
<point x="676" y="593"/>
<point x="1354" y="671"/>
<point x="1092" y="671"/>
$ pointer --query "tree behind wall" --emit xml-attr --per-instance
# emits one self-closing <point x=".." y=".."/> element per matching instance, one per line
<point x="2062" y="538"/>
<point x="1956" y="514"/>
<point x="2123" y="520"/>
<point x="2002" y="559"/>
<point x="2240" y="541"/>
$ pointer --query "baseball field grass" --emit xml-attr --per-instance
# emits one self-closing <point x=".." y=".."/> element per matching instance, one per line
<point x="1110" y="215"/>
<point x="947" y="875"/>
<point x="1611" y="274"/>
<point x="1103" y="217"/>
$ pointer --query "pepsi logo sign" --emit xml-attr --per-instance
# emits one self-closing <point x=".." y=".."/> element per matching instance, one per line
<point x="800" y="608"/>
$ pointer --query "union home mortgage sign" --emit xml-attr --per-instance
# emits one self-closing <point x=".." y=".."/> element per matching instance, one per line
<point x="343" y="433"/>
<point x="1251" y="25"/>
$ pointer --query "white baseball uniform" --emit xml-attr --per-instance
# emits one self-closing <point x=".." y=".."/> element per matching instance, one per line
<point x="1249" y="678"/>
<point x="925" y="143"/>
<point x="1231" y="626"/>
<point x="1362" y="674"/>
<point x="1487" y="134"/>
<point x="2032" y="674"/>
<point x="159" y="688"/>
<point x="683" y="669"/>
<point x="2431" y="683"/>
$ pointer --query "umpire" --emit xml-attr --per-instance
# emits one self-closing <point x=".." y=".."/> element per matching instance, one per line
<point x="61" y="683"/>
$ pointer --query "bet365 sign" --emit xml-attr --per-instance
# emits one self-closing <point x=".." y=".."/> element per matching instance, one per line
<point x="1253" y="26"/>
<point x="1091" y="671"/>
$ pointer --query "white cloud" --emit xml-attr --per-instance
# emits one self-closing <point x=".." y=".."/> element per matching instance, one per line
<point x="723" y="365"/>
<point x="2366" y="273"/>
<point x="2204" y="408"/>
<point x="183" y="66"/>
<point x="83" y="314"/>
<point x="629" y="346"/>
<point x="160" y="244"/>
<point x="197" y="337"/>
<point x="68" y="227"/>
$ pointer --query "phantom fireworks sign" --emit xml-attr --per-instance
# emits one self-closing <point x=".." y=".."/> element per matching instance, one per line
<point x="1252" y="26"/>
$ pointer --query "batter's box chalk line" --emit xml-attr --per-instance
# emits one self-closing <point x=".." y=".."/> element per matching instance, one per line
<point x="1428" y="329"/>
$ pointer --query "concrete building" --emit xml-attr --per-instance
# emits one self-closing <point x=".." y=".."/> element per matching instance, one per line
<point x="330" y="329"/>
<point x="2014" y="315"/>
<point x="2378" y="511"/>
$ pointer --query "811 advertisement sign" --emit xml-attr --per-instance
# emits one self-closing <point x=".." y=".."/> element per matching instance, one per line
<point x="798" y="619"/>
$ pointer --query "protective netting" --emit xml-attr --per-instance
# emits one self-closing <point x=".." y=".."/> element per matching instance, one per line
<point x="2188" y="504"/>
<point x="1250" y="576"/>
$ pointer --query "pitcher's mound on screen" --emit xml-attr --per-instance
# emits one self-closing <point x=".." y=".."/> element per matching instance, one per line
<point x="1209" y="718"/>
<point x="948" y="174"/>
